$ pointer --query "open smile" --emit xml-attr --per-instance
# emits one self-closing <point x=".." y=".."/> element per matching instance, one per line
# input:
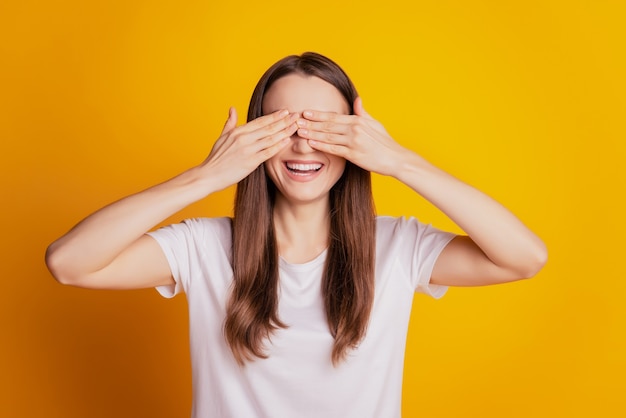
<point x="303" y="169"/>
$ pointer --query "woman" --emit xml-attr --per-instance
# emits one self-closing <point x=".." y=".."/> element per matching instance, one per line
<point x="299" y="305"/>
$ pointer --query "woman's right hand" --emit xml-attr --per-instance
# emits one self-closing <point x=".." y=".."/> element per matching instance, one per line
<point x="108" y="249"/>
<point x="241" y="149"/>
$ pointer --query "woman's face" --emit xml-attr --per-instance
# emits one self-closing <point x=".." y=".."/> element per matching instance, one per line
<point x="302" y="174"/>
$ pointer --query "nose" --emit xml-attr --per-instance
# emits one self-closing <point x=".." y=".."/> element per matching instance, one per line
<point x="300" y="145"/>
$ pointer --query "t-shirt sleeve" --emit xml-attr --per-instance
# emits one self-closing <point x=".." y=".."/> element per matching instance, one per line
<point x="417" y="247"/>
<point x="179" y="243"/>
<point x="429" y="243"/>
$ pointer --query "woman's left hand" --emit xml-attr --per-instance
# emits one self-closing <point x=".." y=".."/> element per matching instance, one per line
<point x="358" y="138"/>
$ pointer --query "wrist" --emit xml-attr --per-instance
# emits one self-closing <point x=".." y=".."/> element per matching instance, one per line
<point x="196" y="183"/>
<point x="417" y="172"/>
<point x="409" y="165"/>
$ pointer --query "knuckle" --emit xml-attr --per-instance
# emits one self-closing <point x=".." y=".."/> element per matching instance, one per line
<point x="274" y="126"/>
<point x="266" y="153"/>
<point x="247" y="151"/>
<point x="240" y="136"/>
<point x="271" y="127"/>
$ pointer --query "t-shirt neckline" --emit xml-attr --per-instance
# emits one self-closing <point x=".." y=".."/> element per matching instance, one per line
<point x="320" y="259"/>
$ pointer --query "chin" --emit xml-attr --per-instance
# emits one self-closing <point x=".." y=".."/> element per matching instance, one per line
<point x="304" y="198"/>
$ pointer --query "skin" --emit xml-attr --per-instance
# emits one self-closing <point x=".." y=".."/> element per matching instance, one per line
<point x="306" y="121"/>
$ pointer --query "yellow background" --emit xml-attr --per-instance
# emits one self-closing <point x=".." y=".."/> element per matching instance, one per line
<point x="526" y="100"/>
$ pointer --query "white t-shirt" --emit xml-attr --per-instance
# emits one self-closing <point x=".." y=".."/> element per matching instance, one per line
<point x="298" y="378"/>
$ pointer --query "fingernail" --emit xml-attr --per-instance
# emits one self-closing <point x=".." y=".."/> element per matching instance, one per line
<point x="302" y="131"/>
<point x="283" y="113"/>
<point x="301" y="122"/>
<point x="307" y="113"/>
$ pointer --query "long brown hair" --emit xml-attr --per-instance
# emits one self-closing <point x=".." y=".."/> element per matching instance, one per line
<point x="348" y="278"/>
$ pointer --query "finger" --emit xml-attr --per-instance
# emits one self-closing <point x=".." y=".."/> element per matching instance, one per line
<point x="326" y="126"/>
<point x="271" y="140"/>
<point x="359" y="110"/>
<point x="335" y="149"/>
<point x="252" y="133"/>
<point x="275" y="127"/>
<point x="318" y="115"/>
<point x="264" y="120"/>
<point x="267" y="153"/>
<point x="326" y="137"/>
<point x="231" y="122"/>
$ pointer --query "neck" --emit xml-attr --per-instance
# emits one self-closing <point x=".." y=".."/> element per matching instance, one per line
<point x="302" y="231"/>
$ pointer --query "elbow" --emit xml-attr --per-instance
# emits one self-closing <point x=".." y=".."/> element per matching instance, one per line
<point x="535" y="262"/>
<point x="58" y="265"/>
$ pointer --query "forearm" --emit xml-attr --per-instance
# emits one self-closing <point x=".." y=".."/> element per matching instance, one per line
<point x="94" y="242"/>
<point x="504" y="239"/>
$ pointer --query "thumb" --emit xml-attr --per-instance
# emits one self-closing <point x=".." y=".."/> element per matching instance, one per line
<point x="231" y="122"/>
<point x="358" y="108"/>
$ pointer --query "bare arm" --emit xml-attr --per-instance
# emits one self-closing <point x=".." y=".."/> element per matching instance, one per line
<point x="109" y="249"/>
<point x="499" y="247"/>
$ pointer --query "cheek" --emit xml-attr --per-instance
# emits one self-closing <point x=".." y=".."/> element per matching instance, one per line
<point x="274" y="162"/>
<point x="339" y="166"/>
<point x="270" y="169"/>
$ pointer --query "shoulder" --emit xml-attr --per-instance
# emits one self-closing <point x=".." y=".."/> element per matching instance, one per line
<point x="211" y="229"/>
<point x="392" y="225"/>
<point x="220" y="227"/>
<point x="197" y="230"/>
<point x="390" y="231"/>
<point x="408" y="232"/>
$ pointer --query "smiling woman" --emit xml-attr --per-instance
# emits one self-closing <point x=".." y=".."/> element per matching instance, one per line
<point x="299" y="304"/>
<point x="305" y="204"/>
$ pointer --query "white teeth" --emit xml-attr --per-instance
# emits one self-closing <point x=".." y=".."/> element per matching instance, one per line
<point x="304" y="167"/>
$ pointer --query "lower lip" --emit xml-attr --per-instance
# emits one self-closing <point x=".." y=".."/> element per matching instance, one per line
<point x="303" y="176"/>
